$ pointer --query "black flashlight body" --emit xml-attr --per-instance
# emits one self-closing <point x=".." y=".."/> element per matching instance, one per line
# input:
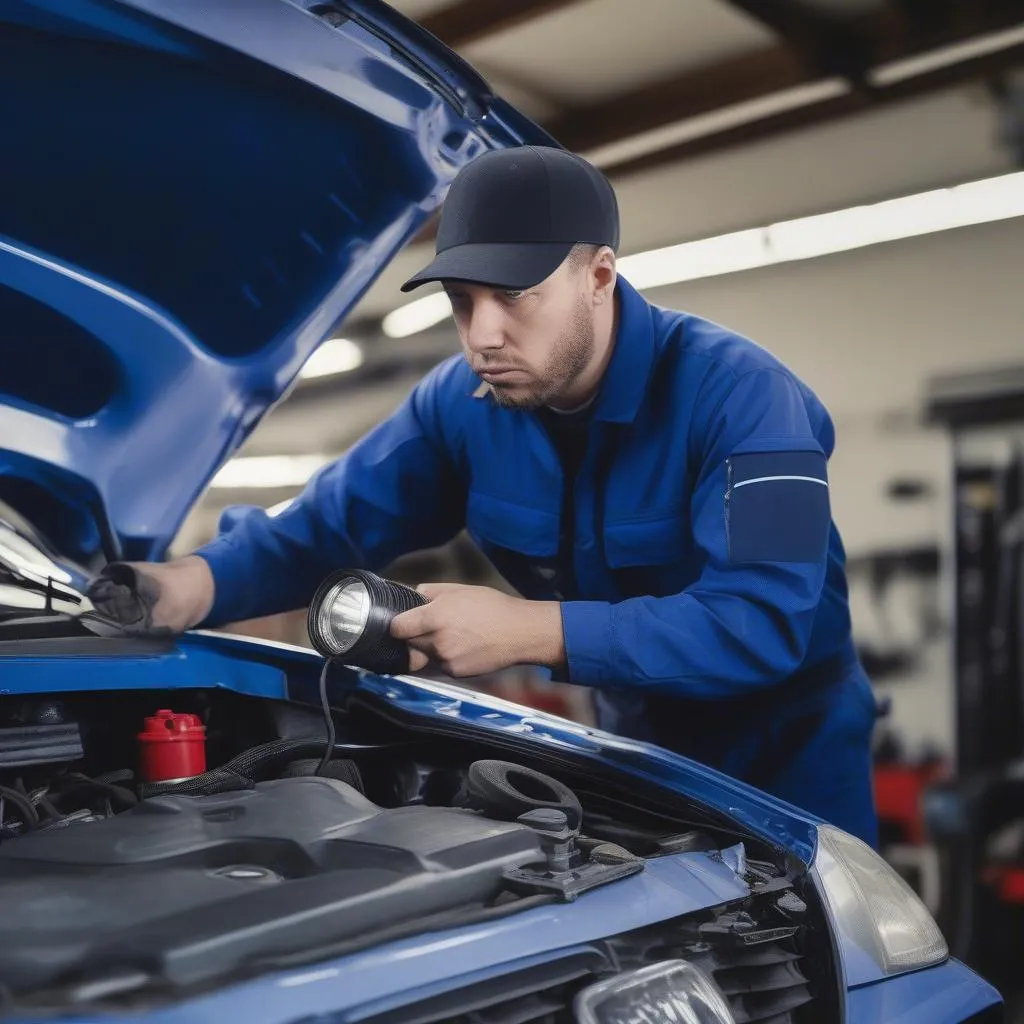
<point x="374" y="648"/>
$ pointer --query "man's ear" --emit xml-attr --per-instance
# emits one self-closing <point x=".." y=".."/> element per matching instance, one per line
<point x="603" y="274"/>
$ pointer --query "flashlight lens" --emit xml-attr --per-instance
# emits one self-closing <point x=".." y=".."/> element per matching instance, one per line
<point x="344" y="613"/>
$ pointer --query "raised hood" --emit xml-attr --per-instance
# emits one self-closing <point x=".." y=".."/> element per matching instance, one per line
<point x="192" y="195"/>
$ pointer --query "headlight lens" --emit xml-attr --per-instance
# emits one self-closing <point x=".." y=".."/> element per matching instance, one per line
<point x="874" y="907"/>
<point x="673" y="992"/>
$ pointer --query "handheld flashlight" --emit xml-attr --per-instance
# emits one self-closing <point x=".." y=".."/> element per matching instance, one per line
<point x="350" y="618"/>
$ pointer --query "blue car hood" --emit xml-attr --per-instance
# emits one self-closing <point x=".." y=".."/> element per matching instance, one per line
<point x="192" y="196"/>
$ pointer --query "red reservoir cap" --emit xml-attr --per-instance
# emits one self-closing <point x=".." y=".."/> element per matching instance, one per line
<point x="172" y="746"/>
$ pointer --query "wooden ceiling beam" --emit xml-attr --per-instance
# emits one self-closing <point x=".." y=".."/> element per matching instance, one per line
<point x="827" y="43"/>
<point x="771" y="70"/>
<point x="854" y="102"/>
<point x="469" y="21"/>
<point x="691" y="94"/>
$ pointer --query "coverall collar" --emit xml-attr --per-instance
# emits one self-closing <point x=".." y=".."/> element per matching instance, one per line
<point x="629" y="369"/>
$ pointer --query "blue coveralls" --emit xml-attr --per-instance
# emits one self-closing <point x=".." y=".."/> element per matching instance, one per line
<point x="709" y="600"/>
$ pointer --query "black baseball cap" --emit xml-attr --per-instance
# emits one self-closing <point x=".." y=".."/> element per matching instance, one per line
<point x="512" y="216"/>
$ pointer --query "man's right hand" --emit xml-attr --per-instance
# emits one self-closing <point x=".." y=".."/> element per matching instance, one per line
<point x="154" y="597"/>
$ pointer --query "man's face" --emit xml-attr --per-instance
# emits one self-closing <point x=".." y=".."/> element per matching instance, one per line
<point x="530" y="346"/>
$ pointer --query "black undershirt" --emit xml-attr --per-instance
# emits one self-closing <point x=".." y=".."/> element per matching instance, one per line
<point x="569" y="433"/>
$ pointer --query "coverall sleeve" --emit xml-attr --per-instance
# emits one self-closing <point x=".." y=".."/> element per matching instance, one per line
<point x="761" y="524"/>
<point x="398" y="490"/>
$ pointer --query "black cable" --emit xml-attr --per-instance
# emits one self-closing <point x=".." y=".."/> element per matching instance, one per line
<point x="328" y="719"/>
<point x="73" y="781"/>
<point x="22" y="803"/>
<point x="51" y="810"/>
<point x="39" y="798"/>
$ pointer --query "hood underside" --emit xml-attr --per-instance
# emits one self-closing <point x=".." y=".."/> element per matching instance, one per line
<point x="192" y="197"/>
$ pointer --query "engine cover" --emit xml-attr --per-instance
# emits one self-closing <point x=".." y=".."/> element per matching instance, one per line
<point x="184" y="889"/>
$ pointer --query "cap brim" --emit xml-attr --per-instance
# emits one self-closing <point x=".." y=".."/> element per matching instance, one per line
<point x="495" y="264"/>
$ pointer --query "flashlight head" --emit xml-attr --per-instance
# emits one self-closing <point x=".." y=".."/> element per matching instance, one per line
<point x="350" y="617"/>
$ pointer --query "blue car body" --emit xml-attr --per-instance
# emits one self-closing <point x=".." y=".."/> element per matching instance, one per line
<point x="192" y="197"/>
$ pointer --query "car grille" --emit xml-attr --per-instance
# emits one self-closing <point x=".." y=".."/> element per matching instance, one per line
<point x="538" y="995"/>
<point x="763" y="981"/>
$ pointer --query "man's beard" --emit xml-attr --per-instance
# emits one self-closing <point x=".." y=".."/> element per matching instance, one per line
<point x="570" y="356"/>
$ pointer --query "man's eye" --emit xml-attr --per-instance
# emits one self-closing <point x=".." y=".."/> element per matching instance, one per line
<point x="513" y="295"/>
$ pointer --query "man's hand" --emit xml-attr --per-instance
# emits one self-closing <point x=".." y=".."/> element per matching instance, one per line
<point x="471" y="631"/>
<point x="150" y="597"/>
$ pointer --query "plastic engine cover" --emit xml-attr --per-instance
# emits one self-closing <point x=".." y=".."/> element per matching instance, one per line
<point x="185" y="889"/>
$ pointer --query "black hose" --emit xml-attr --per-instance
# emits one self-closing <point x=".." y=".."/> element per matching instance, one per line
<point x="242" y="772"/>
<point x="218" y="780"/>
<point x="39" y="799"/>
<point x="328" y="719"/>
<point x="28" y="812"/>
<point x="73" y="781"/>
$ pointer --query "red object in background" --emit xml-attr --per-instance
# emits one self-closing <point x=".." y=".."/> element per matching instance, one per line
<point x="898" y="790"/>
<point x="1007" y="880"/>
<point x="172" y="746"/>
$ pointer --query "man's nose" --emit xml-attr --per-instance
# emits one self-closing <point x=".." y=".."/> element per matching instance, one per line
<point x="485" y="331"/>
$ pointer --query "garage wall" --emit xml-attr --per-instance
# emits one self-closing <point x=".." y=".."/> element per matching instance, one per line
<point x="866" y="330"/>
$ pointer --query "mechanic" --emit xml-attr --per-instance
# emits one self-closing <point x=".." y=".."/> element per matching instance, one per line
<point x="653" y="485"/>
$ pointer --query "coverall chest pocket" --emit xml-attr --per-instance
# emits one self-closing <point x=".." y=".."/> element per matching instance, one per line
<point x="652" y="556"/>
<point x="519" y="541"/>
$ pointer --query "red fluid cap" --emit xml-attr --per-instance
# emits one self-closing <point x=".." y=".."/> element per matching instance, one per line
<point x="172" y="746"/>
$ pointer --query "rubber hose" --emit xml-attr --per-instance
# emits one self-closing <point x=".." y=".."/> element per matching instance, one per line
<point x="218" y="780"/>
<point x="29" y="815"/>
<point x="505" y="791"/>
<point x="254" y="765"/>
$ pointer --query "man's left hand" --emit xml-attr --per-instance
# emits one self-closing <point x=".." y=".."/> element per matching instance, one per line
<point x="471" y="631"/>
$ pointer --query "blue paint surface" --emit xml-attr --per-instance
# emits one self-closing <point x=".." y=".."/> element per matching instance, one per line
<point x="228" y="182"/>
<point x="940" y="995"/>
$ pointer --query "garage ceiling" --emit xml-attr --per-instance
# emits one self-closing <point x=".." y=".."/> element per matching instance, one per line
<point x="709" y="116"/>
<point x="575" y="57"/>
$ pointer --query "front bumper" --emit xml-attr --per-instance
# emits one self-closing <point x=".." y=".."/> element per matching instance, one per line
<point x="948" y="994"/>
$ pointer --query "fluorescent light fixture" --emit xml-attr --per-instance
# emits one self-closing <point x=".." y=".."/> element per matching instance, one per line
<point x="977" y="202"/>
<point x="708" y="257"/>
<point x="417" y="316"/>
<point x="269" y="471"/>
<point x="946" y="56"/>
<point x="719" y="120"/>
<point x="339" y="355"/>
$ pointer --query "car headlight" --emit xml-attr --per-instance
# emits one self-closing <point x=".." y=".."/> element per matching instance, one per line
<point x="874" y="907"/>
<point x="672" y="992"/>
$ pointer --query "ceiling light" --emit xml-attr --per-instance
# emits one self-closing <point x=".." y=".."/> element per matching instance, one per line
<point x="339" y="355"/>
<point x="708" y="257"/>
<point x="977" y="202"/>
<point x="417" y="316"/>
<point x="269" y="471"/>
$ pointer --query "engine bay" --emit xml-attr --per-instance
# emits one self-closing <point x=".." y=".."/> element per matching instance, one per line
<point x="155" y="843"/>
